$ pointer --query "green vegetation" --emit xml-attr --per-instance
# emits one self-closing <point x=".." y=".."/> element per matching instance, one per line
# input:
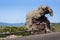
<point x="13" y="29"/>
<point x="57" y="26"/>
<point x="58" y="29"/>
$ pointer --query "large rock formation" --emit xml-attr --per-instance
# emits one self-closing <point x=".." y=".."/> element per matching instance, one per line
<point x="36" y="20"/>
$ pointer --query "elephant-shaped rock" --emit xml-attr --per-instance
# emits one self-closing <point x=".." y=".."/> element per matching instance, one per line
<point x="37" y="17"/>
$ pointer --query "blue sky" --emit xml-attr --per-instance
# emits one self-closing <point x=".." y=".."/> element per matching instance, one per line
<point x="14" y="11"/>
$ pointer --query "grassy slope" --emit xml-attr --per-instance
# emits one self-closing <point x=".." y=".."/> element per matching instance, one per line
<point x="58" y="28"/>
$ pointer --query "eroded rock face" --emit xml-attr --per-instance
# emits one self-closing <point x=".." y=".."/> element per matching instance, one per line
<point x="36" y="19"/>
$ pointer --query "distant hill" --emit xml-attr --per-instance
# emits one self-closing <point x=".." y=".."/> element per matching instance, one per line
<point x="11" y="24"/>
<point x="20" y="24"/>
<point x="55" y="24"/>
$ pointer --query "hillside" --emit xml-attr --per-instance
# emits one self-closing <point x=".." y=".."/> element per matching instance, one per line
<point x="21" y="24"/>
<point x="11" y="24"/>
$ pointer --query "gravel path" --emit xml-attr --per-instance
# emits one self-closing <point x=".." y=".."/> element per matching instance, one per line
<point x="48" y="36"/>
